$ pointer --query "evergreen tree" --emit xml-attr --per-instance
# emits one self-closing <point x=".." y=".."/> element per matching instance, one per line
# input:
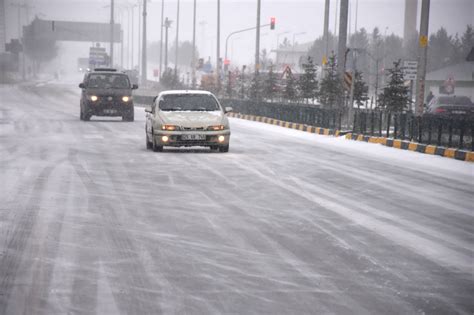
<point x="331" y="90"/>
<point x="395" y="96"/>
<point x="360" y="89"/>
<point x="270" y="85"/>
<point x="290" y="91"/>
<point x="307" y="83"/>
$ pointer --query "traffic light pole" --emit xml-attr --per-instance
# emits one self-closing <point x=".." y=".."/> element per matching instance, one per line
<point x="144" y="61"/>
<point x="236" y="32"/>
<point x="257" y="44"/>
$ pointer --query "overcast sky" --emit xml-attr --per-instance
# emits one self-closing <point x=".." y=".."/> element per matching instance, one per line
<point x="297" y="16"/>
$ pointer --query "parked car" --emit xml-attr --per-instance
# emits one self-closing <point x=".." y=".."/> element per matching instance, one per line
<point x="187" y="118"/>
<point x="451" y="105"/>
<point x="106" y="92"/>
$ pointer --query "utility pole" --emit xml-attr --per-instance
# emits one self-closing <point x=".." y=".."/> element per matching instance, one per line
<point x="423" y="50"/>
<point x="257" y="40"/>
<point x="132" y="37"/>
<point x="341" y="49"/>
<point x="144" y="63"/>
<point x="193" y="58"/>
<point x="161" y="37"/>
<point x="176" y="43"/>
<point x="167" y="26"/>
<point x="111" y="62"/>
<point x="326" y="31"/>
<point x="218" y="53"/>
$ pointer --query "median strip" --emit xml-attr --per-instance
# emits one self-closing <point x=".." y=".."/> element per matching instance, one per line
<point x="457" y="154"/>
<point x="287" y="124"/>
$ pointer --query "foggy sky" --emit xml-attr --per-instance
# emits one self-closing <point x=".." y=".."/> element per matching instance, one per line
<point x="291" y="16"/>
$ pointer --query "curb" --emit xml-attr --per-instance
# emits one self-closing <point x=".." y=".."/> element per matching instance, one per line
<point x="462" y="155"/>
<point x="287" y="124"/>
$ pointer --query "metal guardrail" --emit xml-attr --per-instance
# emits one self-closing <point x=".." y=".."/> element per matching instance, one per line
<point x="455" y="131"/>
<point x="313" y="115"/>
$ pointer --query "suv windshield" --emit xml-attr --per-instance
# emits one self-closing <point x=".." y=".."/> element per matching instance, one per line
<point x="188" y="102"/>
<point x="108" y="81"/>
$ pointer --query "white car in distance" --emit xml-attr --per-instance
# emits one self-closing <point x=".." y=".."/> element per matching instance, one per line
<point x="187" y="118"/>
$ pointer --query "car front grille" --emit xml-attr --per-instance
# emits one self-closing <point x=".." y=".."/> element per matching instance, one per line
<point x="193" y="128"/>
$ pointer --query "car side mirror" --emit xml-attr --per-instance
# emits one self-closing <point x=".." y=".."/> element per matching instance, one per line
<point x="134" y="86"/>
<point x="228" y="110"/>
<point x="82" y="85"/>
<point x="148" y="109"/>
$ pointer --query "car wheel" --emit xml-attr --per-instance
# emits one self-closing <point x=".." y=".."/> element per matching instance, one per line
<point x="155" y="147"/>
<point x="214" y="147"/>
<point x="148" y="144"/>
<point x="81" y="116"/>
<point x="86" y="117"/>
<point x="224" y="148"/>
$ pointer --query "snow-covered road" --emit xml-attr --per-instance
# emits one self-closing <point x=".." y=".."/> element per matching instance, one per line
<point x="285" y="223"/>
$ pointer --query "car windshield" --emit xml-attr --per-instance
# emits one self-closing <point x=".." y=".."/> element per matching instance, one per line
<point x="188" y="102"/>
<point x="108" y="81"/>
<point x="461" y="100"/>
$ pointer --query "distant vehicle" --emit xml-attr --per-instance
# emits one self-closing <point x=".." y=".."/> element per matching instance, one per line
<point x="187" y="118"/>
<point x="106" y="92"/>
<point x="451" y="105"/>
<point x="83" y="64"/>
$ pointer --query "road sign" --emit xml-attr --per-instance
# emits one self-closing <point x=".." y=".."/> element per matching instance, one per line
<point x="423" y="41"/>
<point x="347" y="80"/>
<point x="410" y="70"/>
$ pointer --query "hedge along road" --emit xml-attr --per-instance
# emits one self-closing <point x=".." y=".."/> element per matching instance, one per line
<point x="286" y="222"/>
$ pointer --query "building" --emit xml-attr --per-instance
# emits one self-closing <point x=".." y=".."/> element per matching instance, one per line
<point x="460" y="76"/>
<point x="291" y="56"/>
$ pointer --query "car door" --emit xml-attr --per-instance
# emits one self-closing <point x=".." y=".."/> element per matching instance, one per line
<point x="150" y="116"/>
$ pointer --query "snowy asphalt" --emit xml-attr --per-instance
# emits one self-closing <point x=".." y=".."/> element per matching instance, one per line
<point x="285" y="223"/>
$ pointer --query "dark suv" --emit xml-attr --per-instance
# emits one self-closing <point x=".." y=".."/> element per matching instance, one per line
<point x="106" y="92"/>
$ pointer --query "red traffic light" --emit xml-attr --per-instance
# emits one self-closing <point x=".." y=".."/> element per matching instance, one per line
<point x="272" y="23"/>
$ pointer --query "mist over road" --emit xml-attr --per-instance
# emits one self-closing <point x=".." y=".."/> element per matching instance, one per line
<point x="93" y="223"/>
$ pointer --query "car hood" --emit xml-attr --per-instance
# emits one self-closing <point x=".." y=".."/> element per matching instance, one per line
<point x="109" y="92"/>
<point x="191" y="119"/>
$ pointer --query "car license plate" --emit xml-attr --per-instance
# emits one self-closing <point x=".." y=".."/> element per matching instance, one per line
<point x="110" y="111"/>
<point x="458" y="112"/>
<point x="193" y="137"/>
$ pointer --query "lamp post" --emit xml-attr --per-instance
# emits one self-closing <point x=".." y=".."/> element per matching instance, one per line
<point x="218" y="47"/>
<point x="177" y="42"/>
<point x="111" y="33"/>
<point x="193" y="57"/>
<point x="144" y="46"/>
<point x="166" y="26"/>
<point x="161" y="37"/>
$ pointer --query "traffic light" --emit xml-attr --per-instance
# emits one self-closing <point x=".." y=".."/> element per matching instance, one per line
<point x="200" y="63"/>
<point x="272" y="23"/>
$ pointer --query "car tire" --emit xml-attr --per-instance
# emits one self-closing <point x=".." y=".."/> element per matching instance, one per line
<point x="81" y="116"/>
<point x="155" y="147"/>
<point x="148" y="144"/>
<point x="86" y="117"/>
<point x="214" y="147"/>
<point x="224" y="148"/>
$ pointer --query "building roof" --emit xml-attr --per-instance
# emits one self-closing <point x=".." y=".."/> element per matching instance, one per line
<point x="300" y="48"/>
<point x="463" y="71"/>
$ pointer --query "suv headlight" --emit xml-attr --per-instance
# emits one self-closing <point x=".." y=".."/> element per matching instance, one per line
<point x="169" y="127"/>
<point x="216" y="127"/>
<point x="126" y="98"/>
<point x="92" y="98"/>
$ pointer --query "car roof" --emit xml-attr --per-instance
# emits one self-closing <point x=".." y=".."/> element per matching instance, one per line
<point x="177" y="92"/>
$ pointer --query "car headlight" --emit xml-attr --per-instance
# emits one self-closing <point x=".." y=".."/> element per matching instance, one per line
<point x="93" y="98"/>
<point x="169" y="127"/>
<point x="216" y="127"/>
<point x="126" y="98"/>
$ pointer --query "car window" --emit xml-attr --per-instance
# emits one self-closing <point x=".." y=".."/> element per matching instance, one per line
<point x="459" y="100"/>
<point x="108" y="81"/>
<point x="188" y="102"/>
